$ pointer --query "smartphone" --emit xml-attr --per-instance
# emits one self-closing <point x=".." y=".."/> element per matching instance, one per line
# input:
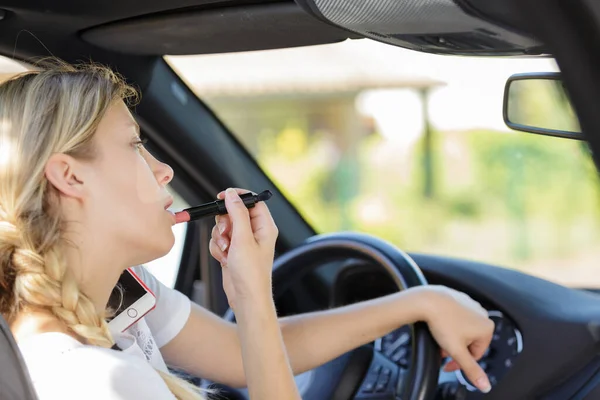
<point x="136" y="301"/>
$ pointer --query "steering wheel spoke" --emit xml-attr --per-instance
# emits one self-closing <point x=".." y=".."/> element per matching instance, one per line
<point x="383" y="381"/>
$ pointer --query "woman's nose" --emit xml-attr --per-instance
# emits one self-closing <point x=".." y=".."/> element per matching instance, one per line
<point x="165" y="175"/>
<point x="163" y="172"/>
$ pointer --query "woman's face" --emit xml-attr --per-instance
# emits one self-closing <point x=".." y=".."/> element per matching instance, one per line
<point x="126" y="194"/>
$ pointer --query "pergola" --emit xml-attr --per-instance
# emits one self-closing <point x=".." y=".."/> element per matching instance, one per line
<point x="245" y="86"/>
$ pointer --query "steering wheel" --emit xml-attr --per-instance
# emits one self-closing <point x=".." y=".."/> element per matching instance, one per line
<point x="362" y="373"/>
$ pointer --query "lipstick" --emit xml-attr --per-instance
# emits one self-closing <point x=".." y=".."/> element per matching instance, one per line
<point x="218" y="207"/>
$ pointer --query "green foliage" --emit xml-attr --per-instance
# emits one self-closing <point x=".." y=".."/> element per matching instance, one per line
<point x="507" y="198"/>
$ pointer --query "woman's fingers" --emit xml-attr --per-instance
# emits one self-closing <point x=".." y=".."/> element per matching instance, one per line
<point x="239" y="191"/>
<point x="216" y="252"/>
<point x="239" y="216"/>
<point x="223" y="224"/>
<point x="261" y="221"/>
<point x="478" y="347"/>
<point x="263" y="225"/>
<point x="451" y="366"/>
<point x="218" y="245"/>
<point x="472" y="370"/>
<point x="222" y="241"/>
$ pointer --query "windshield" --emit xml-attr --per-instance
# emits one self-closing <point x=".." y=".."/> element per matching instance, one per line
<point x="410" y="147"/>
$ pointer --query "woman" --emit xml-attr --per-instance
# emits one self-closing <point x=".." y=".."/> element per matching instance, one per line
<point x="81" y="200"/>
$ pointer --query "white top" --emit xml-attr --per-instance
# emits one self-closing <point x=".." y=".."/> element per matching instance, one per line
<point x="63" y="368"/>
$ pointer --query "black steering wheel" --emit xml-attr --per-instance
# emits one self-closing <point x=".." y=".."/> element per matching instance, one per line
<point x="362" y="373"/>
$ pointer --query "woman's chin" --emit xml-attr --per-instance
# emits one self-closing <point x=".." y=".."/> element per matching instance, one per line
<point x="167" y="244"/>
<point x="158" y="247"/>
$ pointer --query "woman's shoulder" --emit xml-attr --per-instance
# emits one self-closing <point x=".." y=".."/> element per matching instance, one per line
<point x="70" y="370"/>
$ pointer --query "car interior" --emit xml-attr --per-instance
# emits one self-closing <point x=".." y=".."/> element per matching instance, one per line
<point x="547" y="335"/>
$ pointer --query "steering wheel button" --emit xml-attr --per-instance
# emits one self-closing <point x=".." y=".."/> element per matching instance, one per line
<point x="380" y="388"/>
<point x="368" y="387"/>
<point x="378" y="368"/>
<point x="498" y="326"/>
<point x="401" y="353"/>
<point x="384" y="379"/>
<point x="386" y="371"/>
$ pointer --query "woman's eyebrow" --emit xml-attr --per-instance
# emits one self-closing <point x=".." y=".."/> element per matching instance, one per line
<point x="136" y="126"/>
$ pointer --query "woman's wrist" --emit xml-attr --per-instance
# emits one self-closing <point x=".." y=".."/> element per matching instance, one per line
<point x="420" y="301"/>
<point x="258" y="306"/>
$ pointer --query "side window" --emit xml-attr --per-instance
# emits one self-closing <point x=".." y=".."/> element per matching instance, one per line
<point x="166" y="268"/>
<point x="10" y="68"/>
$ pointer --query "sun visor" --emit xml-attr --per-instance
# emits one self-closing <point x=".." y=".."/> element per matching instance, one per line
<point x="435" y="26"/>
<point x="216" y="30"/>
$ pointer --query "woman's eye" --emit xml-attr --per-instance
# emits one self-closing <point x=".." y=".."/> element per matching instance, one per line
<point x="139" y="144"/>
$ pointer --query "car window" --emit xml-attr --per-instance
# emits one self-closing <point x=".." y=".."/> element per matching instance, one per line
<point x="410" y="147"/>
<point x="165" y="268"/>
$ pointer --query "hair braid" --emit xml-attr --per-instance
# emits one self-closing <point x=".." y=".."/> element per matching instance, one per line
<point x="42" y="279"/>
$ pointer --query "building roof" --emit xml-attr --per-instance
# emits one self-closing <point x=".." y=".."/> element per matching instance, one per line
<point x="334" y="68"/>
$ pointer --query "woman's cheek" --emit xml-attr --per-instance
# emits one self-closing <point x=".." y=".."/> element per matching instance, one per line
<point x="148" y="190"/>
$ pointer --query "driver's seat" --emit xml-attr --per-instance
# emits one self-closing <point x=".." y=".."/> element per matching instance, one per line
<point x="15" y="383"/>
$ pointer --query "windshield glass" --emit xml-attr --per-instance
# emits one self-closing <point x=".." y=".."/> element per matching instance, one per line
<point x="410" y="147"/>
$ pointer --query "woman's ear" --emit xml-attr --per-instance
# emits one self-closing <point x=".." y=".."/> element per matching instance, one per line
<point x="65" y="174"/>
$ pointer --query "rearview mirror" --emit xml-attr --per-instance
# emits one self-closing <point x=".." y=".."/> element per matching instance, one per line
<point x="539" y="103"/>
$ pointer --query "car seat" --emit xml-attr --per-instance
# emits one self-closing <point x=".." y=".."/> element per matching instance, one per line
<point x="15" y="383"/>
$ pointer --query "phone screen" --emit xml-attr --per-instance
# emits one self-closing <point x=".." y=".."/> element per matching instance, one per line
<point x="132" y="291"/>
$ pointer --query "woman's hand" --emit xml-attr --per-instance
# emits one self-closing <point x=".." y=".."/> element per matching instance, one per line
<point x="243" y="241"/>
<point x="461" y="327"/>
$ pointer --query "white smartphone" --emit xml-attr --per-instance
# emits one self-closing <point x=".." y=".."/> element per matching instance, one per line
<point x="137" y="301"/>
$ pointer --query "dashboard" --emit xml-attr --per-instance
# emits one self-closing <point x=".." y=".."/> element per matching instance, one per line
<point x="545" y="344"/>
<point x="546" y="338"/>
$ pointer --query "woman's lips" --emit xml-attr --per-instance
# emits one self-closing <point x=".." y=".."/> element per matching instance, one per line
<point x="182" y="216"/>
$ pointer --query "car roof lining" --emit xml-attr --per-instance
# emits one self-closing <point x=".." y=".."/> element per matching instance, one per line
<point x="155" y="27"/>
<point x="177" y="27"/>
<point x="216" y="30"/>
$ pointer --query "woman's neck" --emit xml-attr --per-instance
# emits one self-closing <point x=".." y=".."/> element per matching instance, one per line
<point x="35" y="322"/>
<point x="96" y="270"/>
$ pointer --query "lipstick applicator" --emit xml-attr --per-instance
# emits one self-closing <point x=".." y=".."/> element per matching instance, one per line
<point x="218" y="207"/>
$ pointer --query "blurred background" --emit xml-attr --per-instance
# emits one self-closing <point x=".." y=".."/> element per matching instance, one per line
<point x="411" y="147"/>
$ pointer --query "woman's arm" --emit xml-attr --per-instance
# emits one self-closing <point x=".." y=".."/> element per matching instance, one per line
<point x="210" y="346"/>
<point x="268" y="372"/>
<point x="247" y="284"/>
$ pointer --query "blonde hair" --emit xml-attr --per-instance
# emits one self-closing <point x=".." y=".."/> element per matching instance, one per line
<point x="55" y="109"/>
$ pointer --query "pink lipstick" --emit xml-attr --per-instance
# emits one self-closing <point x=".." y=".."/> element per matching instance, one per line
<point x="218" y="207"/>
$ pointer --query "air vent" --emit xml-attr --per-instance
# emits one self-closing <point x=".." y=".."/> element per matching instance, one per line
<point x="378" y="35"/>
<point x="463" y="42"/>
